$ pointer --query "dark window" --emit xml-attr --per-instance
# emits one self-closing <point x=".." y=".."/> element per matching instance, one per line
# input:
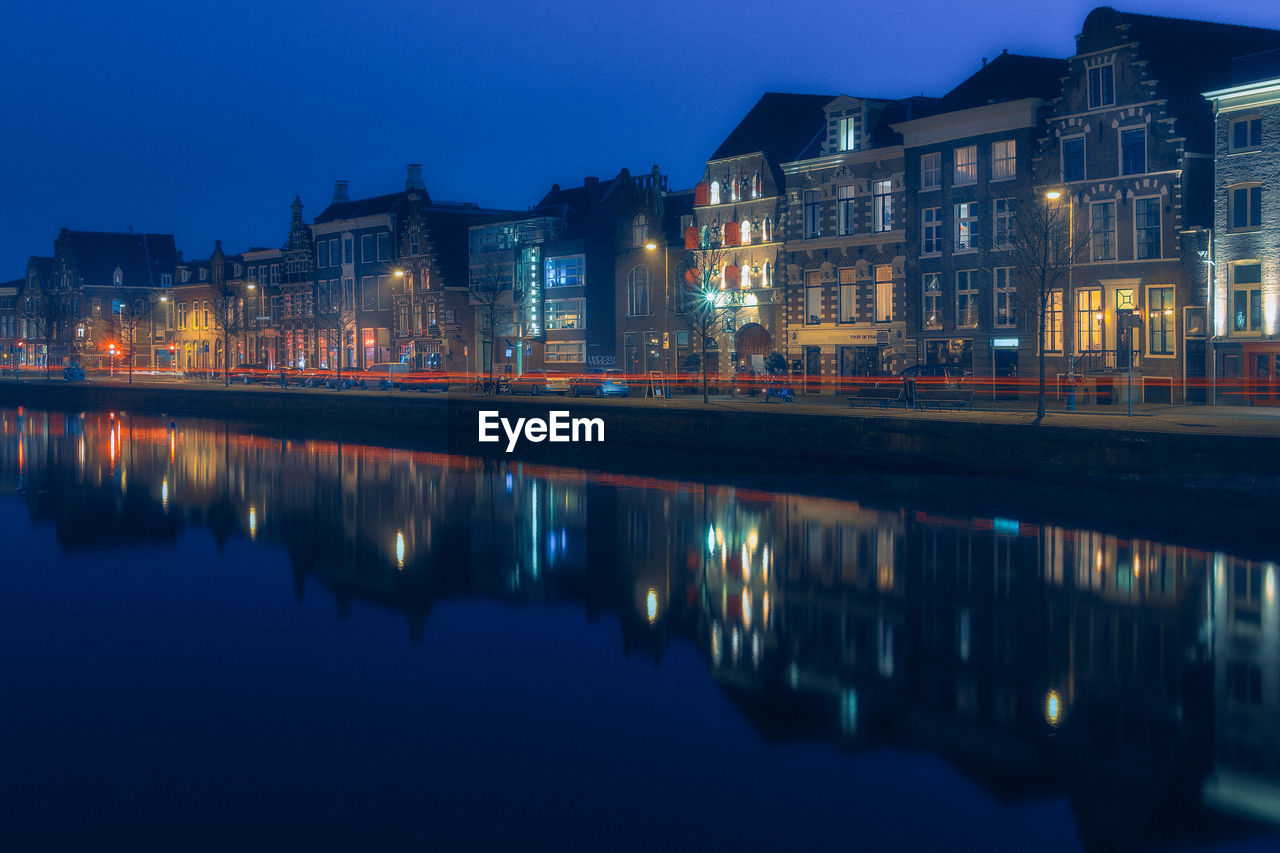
<point x="1246" y="133"/>
<point x="366" y="248"/>
<point x="1246" y="207"/>
<point x="1133" y="151"/>
<point x="384" y="247"/>
<point x="1073" y="159"/>
<point x="322" y="254"/>
<point x="1102" y="90"/>
<point x="811" y="225"/>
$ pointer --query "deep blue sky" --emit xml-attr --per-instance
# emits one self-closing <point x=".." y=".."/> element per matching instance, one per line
<point x="205" y="118"/>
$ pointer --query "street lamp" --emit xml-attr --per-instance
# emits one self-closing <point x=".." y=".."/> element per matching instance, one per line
<point x="652" y="246"/>
<point x="111" y="369"/>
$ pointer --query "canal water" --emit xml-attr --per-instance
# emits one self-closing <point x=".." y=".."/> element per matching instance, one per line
<point x="216" y="637"/>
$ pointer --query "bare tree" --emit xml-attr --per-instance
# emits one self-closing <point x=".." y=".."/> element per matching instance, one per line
<point x="227" y="311"/>
<point x="336" y="320"/>
<point x="131" y="318"/>
<point x="1042" y="250"/>
<point x="702" y="304"/>
<point x="492" y="294"/>
<point x="45" y="315"/>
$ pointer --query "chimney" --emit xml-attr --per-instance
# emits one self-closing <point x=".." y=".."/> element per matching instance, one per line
<point x="340" y="192"/>
<point x="414" y="179"/>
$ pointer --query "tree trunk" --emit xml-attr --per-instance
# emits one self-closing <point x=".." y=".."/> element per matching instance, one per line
<point x="1044" y="296"/>
<point x="226" y="361"/>
<point x="705" y="397"/>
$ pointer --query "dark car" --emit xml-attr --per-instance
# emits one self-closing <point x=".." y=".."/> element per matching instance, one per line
<point x="600" y="382"/>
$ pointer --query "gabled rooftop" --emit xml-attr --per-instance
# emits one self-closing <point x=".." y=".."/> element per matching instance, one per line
<point x="783" y="126"/>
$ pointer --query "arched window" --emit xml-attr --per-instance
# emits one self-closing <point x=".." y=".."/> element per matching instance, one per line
<point x="715" y="192"/>
<point x="746" y="277"/>
<point x="746" y="231"/>
<point x="766" y="230"/>
<point x="640" y="229"/>
<point x="765" y="280"/>
<point x="638" y="302"/>
<point x="757" y="186"/>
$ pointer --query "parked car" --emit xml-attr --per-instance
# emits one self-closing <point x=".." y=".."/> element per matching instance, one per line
<point x="934" y="374"/>
<point x="600" y="382"/>
<point x="386" y="376"/>
<point x="537" y="382"/>
<point x="247" y="374"/>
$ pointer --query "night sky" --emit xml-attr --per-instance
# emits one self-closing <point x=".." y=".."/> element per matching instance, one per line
<point x="204" y="119"/>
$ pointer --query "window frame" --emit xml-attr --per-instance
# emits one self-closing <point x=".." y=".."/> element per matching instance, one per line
<point x="967" y="225"/>
<point x="1158" y="230"/>
<point x="883" y="286"/>
<point x="931" y="227"/>
<point x="1010" y="291"/>
<point x="931" y="295"/>
<point x="967" y="317"/>
<point x="1253" y="298"/>
<point x="1252" y="193"/>
<point x="931" y="167"/>
<point x="1095" y="231"/>
<point x="846" y="210"/>
<point x="812" y="201"/>
<point x="1100" y="104"/>
<point x="1120" y="141"/>
<point x="882" y="206"/>
<point x="633" y="282"/>
<point x="1008" y="160"/>
<point x="1251" y="123"/>
<point x="1062" y="157"/>
<point x="1007" y="218"/>
<point x="1168" y="318"/>
<point x="968" y="169"/>
<point x="812" y="290"/>
<point x="847" y="278"/>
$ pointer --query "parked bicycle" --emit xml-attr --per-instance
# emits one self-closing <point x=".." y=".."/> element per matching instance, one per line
<point x="489" y="387"/>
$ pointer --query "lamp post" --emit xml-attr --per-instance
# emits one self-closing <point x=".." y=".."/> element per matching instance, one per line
<point x="111" y="367"/>
<point x="652" y="246"/>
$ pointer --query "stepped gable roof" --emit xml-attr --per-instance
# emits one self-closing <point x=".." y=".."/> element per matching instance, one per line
<point x="1008" y="77"/>
<point x="784" y="126"/>
<point x="1184" y="57"/>
<point x="140" y="257"/>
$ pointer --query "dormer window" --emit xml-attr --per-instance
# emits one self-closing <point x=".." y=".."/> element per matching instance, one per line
<point x="166" y="279"/>
<point x="640" y="230"/>
<point x="204" y="273"/>
<point x="847" y="133"/>
<point x="117" y="277"/>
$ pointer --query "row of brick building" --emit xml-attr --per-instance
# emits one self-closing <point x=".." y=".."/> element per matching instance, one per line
<point x="855" y="236"/>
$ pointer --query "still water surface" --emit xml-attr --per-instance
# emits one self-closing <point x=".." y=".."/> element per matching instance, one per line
<point x="216" y="638"/>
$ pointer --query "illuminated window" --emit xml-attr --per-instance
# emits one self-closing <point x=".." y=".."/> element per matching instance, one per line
<point x="1003" y="160"/>
<point x="966" y="226"/>
<point x="882" y="206"/>
<point x="966" y="166"/>
<point x="564" y="272"/>
<point x="1089" y="319"/>
<point x="570" y="351"/>
<point x="1053" y="322"/>
<point x="566" y="313"/>
<point x="884" y="293"/>
<point x="846" y="210"/>
<point x="848" y="133"/>
<point x="1161" y="320"/>
<point x="931" y="284"/>
<point x="848" y="295"/>
<point x="746" y="232"/>
<point x="715" y="192"/>
<point x="812" y="298"/>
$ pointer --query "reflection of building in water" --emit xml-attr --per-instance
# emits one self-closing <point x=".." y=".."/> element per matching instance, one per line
<point x="1245" y="631"/>
<point x="1035" y="657"/>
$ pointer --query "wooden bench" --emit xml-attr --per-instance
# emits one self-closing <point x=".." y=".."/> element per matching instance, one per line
<point x="882" y="397"/>
<point x="952" y="398"/>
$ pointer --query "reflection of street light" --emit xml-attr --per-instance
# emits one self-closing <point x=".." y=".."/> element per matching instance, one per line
<point x="1052" y="708"/>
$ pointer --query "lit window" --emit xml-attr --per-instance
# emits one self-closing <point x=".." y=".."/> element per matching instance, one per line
<point x="563" y="272"/>
<point x="848" y="133"/>
<point x="884" y="293"/>
<point x="848" y="295"/>
<point x="1161" y="320"/>
<point x="1003" y="160"/>
<point x="846" y="210"/>
<point x="715" y="192"/>
<point x="572" y="351"/>
<point x="882" y="206"/>
<point x="966" y="226"/>
<point x="812" y="298"/>
<point x="931" y="284"/>
<point x="966" y="166"/>
<point x="1089" y="319"/>
<point x="1053" y="322"/>
<point x="567" y="313"/>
